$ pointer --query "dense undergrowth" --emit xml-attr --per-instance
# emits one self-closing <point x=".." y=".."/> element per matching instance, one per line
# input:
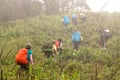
<point x="91" y="62"/>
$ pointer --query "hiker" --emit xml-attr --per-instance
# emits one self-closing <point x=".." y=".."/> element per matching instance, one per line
<point x="104" y="36"/>
<point x="83" y="16"/>
<point x="54" y="47"/>
<point x="65" y="20"/>
<point x="76" y="40"/>
<point x="74" y="19"/>
<point x="47" y="49"/>
<point x="57" y="46"/>
<point x="24" y="57"/>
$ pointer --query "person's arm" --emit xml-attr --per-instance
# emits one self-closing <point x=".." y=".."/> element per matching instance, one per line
<point x="81" y="38"/>
<point x="55" y="49"/>
<point x="31" y="59"/>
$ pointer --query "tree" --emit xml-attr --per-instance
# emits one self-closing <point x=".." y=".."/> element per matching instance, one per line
<point x="60" y="6"/>
<point x="51" y="6"/>
<point x="16" y="9"/>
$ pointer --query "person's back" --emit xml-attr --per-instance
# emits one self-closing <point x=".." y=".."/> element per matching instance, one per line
<point x="54" y="47"/>
<point x="74" y="16"/>
<point x="107" y="34"/>
<point x="24" y="57"/>
<point x="76" y="37"/>
<point x="66" y="20"/>
<point x="47" y="49"/>
<point x="74" y="19"/>
<point x="57" y="46"/>
<point x="21" y="56"/>
<point x="57" y="43"/>
<point x="104" y="36"/>
<point x="82" y="16"/>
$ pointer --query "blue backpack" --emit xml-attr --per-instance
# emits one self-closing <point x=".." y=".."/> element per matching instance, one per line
<point x="66" y="20"/>
<point x="74" y="16"/>
<point x="76" y="36"/>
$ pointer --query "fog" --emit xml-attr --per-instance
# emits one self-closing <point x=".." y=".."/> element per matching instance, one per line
<point x="19" y="9"/>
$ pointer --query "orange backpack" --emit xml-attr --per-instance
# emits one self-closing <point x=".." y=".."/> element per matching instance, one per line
<point x="21" y="56"/>
<point x="57" y="43"/>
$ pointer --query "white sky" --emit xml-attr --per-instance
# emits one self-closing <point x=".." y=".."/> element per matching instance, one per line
<point x="113" y="5"/>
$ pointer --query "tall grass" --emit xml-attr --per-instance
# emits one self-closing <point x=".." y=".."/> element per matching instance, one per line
<point x="91" y="62"/>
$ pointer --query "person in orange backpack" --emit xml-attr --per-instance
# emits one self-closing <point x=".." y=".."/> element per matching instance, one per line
<point x="57" y="46"/>
<point x="24" y="57"/>
<point x="54" y="47"/>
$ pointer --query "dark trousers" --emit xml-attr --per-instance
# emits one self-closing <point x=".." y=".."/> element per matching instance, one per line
<point x="48" y="54"/>
<point x="103" y="42"/>
<point x="23" y="66"/>
<point x="60" y="51"/>
<point x="76" y="45"/>
<point x="74" y="21"/>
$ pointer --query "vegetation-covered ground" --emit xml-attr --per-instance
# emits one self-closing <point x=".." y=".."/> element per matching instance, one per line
<point x="91" y="62"/>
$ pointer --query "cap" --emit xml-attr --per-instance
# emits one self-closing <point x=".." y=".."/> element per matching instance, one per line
<point x="107" y="30"/>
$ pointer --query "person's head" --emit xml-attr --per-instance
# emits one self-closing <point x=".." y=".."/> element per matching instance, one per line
<point x="60" y="39"/>
<point x="101" y="30"/>
<point x="28" y="46"/>
<point x="53" y="42"/>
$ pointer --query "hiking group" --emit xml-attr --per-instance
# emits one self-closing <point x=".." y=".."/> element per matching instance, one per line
<point x="74" y="17"/>
<point x="105" y="34"/>
<point x="24" y="56"/>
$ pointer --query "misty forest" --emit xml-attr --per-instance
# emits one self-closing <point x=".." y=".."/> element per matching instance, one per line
<point x="39" y="22"/>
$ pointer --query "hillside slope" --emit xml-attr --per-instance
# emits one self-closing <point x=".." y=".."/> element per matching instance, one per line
<point x="15" y="34"/>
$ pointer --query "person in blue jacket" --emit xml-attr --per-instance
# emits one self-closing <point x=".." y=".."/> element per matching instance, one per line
<point x="65" y="20"/>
